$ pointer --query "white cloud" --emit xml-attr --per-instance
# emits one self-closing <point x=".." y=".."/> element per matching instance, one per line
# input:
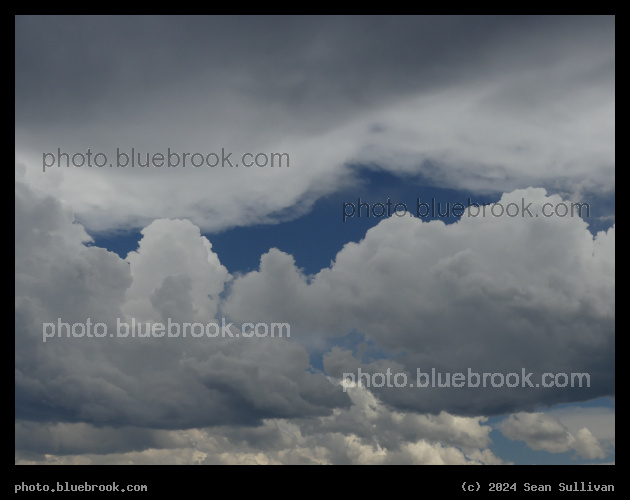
<point x="399" y="286"/>
<point x="599" y="420"/>
<point x="161" y="383"/>
<point x="545" y="432"/>
<point x="376" y="436"/>
<point x="508" y="103"/>
<point x="174" y="272"/>
<point x="490" y="294"/>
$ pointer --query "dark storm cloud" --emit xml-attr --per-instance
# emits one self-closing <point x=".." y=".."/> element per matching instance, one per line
<point x="483" y="103"/>
<point x="71" y="68"/>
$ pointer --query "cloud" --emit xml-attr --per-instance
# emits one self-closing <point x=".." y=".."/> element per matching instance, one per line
<point x="365" y="433"/>
<point x="174" y="272"/>
<point x="545" y="432"/>
<point x="154" y="383"/>
<point x="599" y="420"/>
<point x="498" y="104"/>
<point x="487" y="104"/>
<point x="399" y="287"/>
<point x="493" y="295"/>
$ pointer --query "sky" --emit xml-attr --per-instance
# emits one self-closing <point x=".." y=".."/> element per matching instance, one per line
<point x="472" y="115"/>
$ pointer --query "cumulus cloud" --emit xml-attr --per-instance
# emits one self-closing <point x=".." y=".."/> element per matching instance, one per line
<point x="366" y="433"/>
<point x="507" y="104"/>
<point x="493" y="294"/>
<point x="163" y="383"/>
<point x="174" y="272"/>
<point x="599" y="420"/>
<point x="545" y="432"/>
<point x="399" y="287"/>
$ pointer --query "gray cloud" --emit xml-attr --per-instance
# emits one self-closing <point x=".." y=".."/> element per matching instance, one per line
<point x="493" y="295"/>
<point x="173" y="383"/>
<point x="478" y="103"/>
<point x="545" y="432"/>
<point x="483" y="103"/>
<point x="365" y="433"/>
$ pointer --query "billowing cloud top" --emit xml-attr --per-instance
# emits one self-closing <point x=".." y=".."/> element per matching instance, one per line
<point x="521" y="107"/>
<point x="435" y="295"/>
